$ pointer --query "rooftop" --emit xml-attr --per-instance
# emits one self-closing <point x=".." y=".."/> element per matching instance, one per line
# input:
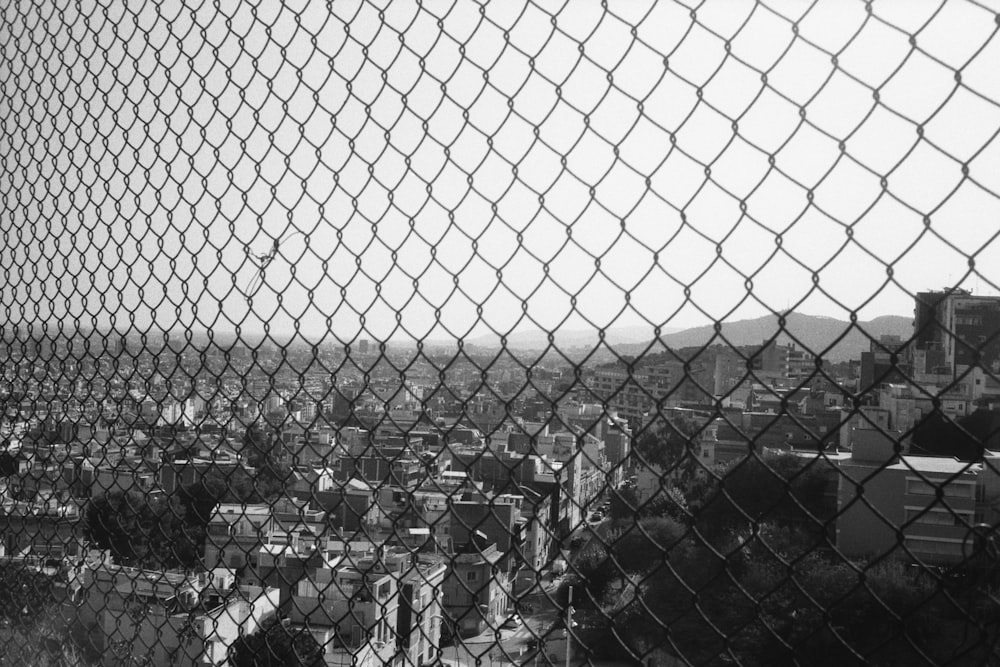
<point x="936" y="464"/>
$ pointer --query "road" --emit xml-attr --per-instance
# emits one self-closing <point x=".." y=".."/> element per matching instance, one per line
<point x="483" y="650"/>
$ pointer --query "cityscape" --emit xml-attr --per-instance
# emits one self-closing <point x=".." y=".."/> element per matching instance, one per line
<point x="499" y="333"/>
<point x="386" y="506"/>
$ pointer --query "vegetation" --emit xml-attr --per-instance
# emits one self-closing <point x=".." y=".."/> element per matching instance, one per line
<point x="669" y="444"/>
<point x="769" y="599"/>
<point x="275" y="645"/>
<point x="145" y="531"/>
<point x="777" y="488"/>
<point x="965" y="438"/>
<point x="43" y="643"/>
<point x="36" y="629"/>
<point x="735" y="566"/>
<point x="157" y="531"/>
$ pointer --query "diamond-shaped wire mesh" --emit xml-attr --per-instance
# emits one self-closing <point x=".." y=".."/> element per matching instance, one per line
<point x="511" y="333"/>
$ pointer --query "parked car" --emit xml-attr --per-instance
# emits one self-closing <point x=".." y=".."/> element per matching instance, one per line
<point x="512" y="623"/>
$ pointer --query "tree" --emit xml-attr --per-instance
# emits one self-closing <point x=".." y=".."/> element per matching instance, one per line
<point x="669" y="444"/>
<point x="647" y="544"/>
<point x="8" y="464"/>
<point x="271" y="480"/>
<point x="49" y="638"/>
<point x="257" y="445"/>
<point x="143" y="531"/>
<point x="965" y="438"/>
<point x="669" y="503"/>
<point x="825" y="612"/>
<point x="24" y="593"/>
<point x="276" y="645"/>
<point x="624" y="504"/>
<point x="776" y="487"/>
<point x="774" y="600"/>
<point x="593" y="573"/>
<point x="263" y="450"/>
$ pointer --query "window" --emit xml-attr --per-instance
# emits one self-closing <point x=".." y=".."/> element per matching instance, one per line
<point x="938" y="516"/>
<point x="918" y="487"/>
<point x="470" y="576"/>
<point x="953" y="489"/>
<point x="934" y="546"/>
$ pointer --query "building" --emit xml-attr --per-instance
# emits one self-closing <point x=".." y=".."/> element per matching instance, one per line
<point x="171" y="618"/>
<point x="536" y="546"/>
<point x="884" y="362"/>
<point x="380" y="608"/>
<point x="421" y="613"/>
<point x="351" y="505"/>
<point x="864" y="418"/>
<point x="906" y="404"/>
<point x="632" y="393"/>
<point x="235" y="534"/>
<point x="496" y="518"/>
<point x="881" y="493"/>
<point x="953" y="331"/>
<point x="476" y="591"/>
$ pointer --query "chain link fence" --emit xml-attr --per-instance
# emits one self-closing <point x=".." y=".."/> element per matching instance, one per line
<point x="511" y="333"/>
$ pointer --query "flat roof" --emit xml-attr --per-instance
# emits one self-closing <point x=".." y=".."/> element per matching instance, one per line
<point x="936" y="464"/>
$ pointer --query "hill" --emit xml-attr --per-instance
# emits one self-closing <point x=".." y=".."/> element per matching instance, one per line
<point x="844" y="340"/>
<point x="565" y="339"/>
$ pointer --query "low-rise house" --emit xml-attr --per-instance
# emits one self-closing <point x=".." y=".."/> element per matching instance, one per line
<point x="171" y="618"/>
<point x="496" y="518"/>
<point x="476" y="591"/>
<point x="351" y="607"/>
<point x="234" y="533"/>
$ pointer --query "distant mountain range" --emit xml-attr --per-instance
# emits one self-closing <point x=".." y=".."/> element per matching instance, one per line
<point x="537" y="340"/>
<point x="812" y="332"/>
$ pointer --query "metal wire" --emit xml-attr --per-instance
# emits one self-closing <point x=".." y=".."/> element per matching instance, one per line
<point x="383" y="439"/>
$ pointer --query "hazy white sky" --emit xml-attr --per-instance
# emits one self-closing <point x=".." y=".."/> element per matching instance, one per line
<point x="455" y="165"/>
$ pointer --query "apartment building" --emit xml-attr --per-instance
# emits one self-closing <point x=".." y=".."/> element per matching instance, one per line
<point x="955" y="330"/>
<point x="933" y="500"/>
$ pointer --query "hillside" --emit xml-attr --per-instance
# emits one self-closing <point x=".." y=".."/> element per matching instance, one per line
<point x="565" y="339"/>
<point x="813" y="332"/>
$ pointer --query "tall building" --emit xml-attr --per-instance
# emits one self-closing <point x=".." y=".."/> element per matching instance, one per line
<point x="877" y="365"/>
<point x="953" y="331"/>
<point x="632" y="393"/>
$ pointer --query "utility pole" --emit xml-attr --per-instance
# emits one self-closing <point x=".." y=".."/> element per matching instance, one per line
<point x="569" y="625"/>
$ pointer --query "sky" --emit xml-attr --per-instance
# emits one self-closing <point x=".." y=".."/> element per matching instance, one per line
<point x="441" y="169"/>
